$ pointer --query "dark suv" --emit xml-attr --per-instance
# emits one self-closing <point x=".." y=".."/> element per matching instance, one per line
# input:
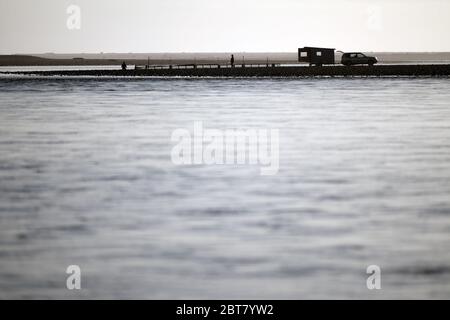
<point x="352" y="58"/>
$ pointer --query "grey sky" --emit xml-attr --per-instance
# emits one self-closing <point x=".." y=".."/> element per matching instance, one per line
<point x="30" y="26"/>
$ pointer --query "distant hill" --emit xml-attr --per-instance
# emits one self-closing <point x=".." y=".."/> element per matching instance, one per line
<point x="21" y="60"/>
<point x="28" y="60"/>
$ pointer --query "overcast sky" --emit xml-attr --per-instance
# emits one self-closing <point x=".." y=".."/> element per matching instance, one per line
<point x="39" y="26"/>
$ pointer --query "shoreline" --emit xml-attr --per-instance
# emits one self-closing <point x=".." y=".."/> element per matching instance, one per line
<point x="249" y="71"/>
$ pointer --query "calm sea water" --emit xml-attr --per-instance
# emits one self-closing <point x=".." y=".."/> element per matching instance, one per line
<point x="86" y="179"/>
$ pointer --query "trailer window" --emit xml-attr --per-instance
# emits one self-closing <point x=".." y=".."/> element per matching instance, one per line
<point x="319" y="53"/>
<point x="303" y="54"/>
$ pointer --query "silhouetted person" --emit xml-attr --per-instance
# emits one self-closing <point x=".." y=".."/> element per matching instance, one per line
<point x="124" y="66"/>
<point x="232" y="61"/>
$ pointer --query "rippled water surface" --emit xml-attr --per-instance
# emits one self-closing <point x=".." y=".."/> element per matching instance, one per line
<point x="86" y="178"/>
